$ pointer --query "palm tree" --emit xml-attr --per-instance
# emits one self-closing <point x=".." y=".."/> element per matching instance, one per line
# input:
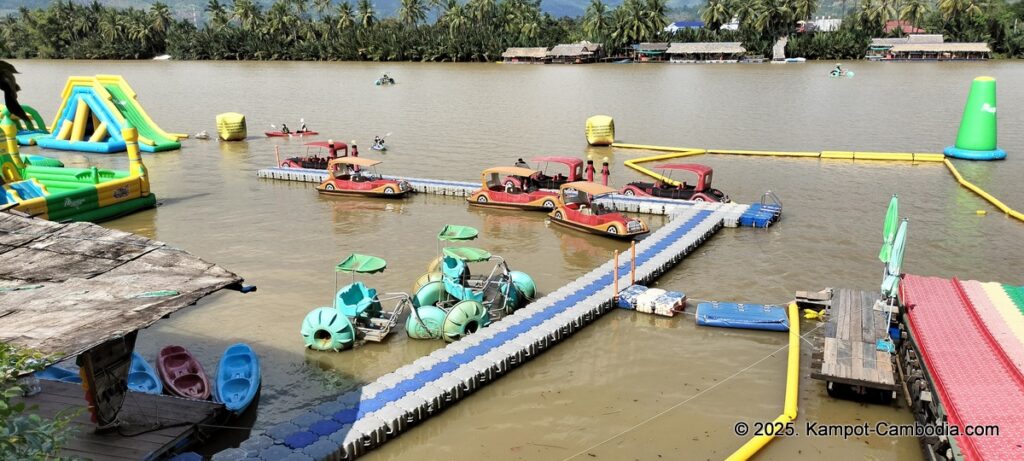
<point x="804" y="9"/>
<point x="218" y="15"/>
<point x="655" y="12"/>
<point x="160" y="17"/>
<point x="715" y="13"/>
<point x="411" y="12"/>
<point x="247" y="14"/>
<point x="321" y="7"/>
<point x="365" y="12"/>
<point x="914" y="11"/>
<point x="595" y="21"/>
<point x="346" y="17"/>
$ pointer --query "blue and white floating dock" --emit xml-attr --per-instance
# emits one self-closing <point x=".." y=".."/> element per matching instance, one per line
<point x="361" y="420"/>
<point x="757" y="215"/>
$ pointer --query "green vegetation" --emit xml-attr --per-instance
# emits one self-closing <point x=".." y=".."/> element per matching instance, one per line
<point x="477" y="30"/>
<point x="25" y="436"/>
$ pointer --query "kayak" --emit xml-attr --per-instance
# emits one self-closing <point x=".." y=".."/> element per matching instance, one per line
<point x="380" y="147"/>
<point x="238" y="377"/>
<point x="55" y="373"/>
<point x="279" y="134"/>
<point x="845" y="73"/>
<point x="142" y="377"/>
<point x="382" y="81"/>
<point x="182" y="374"/>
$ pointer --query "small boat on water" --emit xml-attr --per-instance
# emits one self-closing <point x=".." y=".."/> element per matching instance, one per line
<point x="357" y="176"/>
<point x="579" y="209"/>
<point x="667" y="187"/>
<point x="142" y="377"/>
<point x="202" y="135"/>
<point x="182" y="374"/>
<point x="281" y="134"/>
<point x="512" y="187"/>
<point x="384" y="81"/>
<point x="312" y="160"/>
<point x="238" y="377"/>
<point x="379" y="146"/>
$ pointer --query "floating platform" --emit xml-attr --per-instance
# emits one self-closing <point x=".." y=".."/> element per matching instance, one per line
<point x="846" y="353"/>
<point x="361" y="420"/>
<point x="962" y="364"/>
<point x="747" y="316"/>
<point x="735" y="214"/>
<point x="165" y="425"/>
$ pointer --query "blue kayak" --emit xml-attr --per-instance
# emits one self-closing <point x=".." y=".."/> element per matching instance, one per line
<point x="142" y="377"/>
<point x="238" y="377"/>
<point x="55" y="373"/>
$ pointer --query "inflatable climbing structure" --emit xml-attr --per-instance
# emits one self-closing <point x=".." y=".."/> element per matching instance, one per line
<point x="93" y="113"/>
<point x="28" y="130"/>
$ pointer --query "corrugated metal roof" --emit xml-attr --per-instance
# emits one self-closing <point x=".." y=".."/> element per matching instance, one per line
<point x="914" y="38"/>
<point x="707" y="47"/>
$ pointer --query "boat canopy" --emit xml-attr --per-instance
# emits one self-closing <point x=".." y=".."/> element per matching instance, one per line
<point x="362" y="264"/>
<point x="455" y="233"/>
<point x="509" y="170"/>
<point x="588" y="187"/>
<point x="570" y="161"/>
<point x="354" y="161"/>
<point x="467" y="254"/>
<point x="694" y="167"/>
<point x="326" y="144"/>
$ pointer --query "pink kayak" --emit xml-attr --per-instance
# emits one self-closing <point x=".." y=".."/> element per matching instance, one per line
<point x="280" y="134"/>
<point x="182" y="374"/>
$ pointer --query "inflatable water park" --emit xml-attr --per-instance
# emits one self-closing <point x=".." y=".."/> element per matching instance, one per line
<point x="910" y="337"/>
<point x="73" y="194"/>
<point x="93" y="113"/>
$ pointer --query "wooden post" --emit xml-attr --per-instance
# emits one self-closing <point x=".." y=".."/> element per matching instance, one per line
<point x="615" y="277"/>
<point x="632" y="263"/>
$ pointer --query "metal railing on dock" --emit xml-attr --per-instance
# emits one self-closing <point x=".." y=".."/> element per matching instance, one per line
<point x="361" y="420"/>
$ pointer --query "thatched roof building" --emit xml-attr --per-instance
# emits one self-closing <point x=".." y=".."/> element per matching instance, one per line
<point x="533" y="54"/>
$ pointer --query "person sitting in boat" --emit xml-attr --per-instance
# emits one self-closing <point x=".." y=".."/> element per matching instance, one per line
<point x="284" y="129"/>
<point x="385" y="78"/>
<point x="521" y="164"/>
<point x="838" y="70"/>
<point x="378" y="142"/>
<point x="302" y="129"/>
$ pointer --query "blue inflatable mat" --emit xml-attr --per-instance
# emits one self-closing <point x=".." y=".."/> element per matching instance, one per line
<point x="750" y="316"/>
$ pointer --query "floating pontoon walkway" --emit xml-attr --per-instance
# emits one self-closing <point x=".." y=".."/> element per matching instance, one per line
<point x="849" y="353"/>
<point x="755" y="215"/>
<point x="967" y="335"/>
<point x="361" y="420"/>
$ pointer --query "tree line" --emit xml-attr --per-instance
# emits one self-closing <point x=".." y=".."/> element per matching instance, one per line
<point x="477" y="30"/>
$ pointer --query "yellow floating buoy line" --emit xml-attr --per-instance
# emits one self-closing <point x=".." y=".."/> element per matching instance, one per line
<point x="679" y="152"/>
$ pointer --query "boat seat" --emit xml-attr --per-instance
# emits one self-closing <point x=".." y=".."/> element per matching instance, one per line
<point x="355" y="300"/>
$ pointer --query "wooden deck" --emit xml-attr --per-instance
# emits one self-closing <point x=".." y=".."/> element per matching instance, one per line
<point x="846" y="352"/>
<point x="168" y="420"/>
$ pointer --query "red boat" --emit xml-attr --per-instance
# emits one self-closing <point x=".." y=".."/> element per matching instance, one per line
<point x="313" y="160"/>
<point x="518" y="190"/>
<point x="664" y="188"/>
<point x="578" y="210"/>
<point x="281" y="134"/>
<point x="182" y="374"/>
<point x="542" y="180"/>
<point x="353" y="176"/>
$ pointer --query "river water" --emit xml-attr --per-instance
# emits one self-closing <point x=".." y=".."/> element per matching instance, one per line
<point x="630" y="386"/>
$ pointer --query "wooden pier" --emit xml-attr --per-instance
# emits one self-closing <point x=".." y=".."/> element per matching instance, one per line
<point x="84" y="291"/>
<point x="152" y="426"/>
<point x="846" y="355"/>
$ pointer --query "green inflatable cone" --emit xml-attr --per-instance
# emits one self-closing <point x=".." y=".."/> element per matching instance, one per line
<point x="976" y="139"/>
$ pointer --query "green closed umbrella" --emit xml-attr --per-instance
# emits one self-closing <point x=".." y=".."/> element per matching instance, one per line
<point x="890" y="284"/>
<point x="889" y="229"/>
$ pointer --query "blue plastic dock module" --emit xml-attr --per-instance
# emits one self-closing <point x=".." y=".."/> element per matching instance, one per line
<point x="749" y="316"/>
<point x="363" y="419"/>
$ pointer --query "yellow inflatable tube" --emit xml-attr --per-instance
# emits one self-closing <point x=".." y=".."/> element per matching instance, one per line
<point x="635" y="164"/>
<point x="792" y="389"/>
<point x="985" y="195"/>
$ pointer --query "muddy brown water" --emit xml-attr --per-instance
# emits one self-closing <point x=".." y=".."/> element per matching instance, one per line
<point x="629" y="386"/>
